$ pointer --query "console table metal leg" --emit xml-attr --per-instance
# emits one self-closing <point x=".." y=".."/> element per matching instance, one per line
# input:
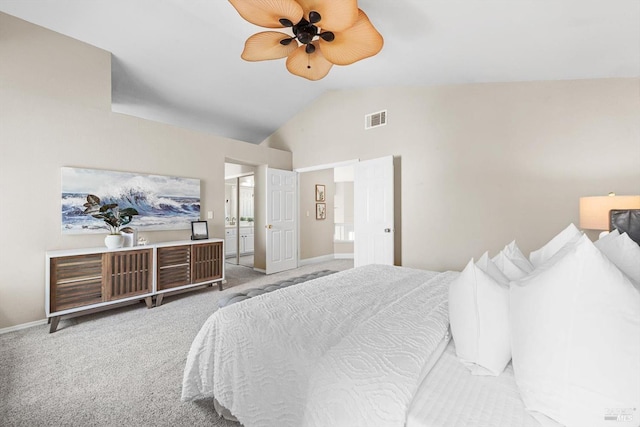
<point x="220" y="285"/>
<point x="54" y="324"/>
<point x="159" y="300"/>
<point x="149" y="302"/>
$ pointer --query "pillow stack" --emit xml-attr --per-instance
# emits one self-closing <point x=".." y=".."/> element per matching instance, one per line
<point x="624" y="253"/>
<point x="570" y="321"/>
<point x="479" y="318"/>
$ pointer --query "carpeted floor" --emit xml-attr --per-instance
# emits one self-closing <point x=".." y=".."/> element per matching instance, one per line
<point x="121" y="367"/>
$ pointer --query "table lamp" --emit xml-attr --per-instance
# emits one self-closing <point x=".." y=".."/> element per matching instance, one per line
<point x="594" y="211"/>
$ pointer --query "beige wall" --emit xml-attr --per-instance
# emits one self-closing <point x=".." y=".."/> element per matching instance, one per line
<point x="343" y="248"/>
<point x="316" y="236"/>
<point x="54" y="112"/>
<point x="478" y="165"/>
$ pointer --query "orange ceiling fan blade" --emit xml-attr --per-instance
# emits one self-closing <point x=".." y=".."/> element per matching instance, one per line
<point x="337" y="15"/>
<point x="360" y="41"/>
<point x="312" y="66"/>
<point x="266" y="45"/>
<point x="267" y="13"/>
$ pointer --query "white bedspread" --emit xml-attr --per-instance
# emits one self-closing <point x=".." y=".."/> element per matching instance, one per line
<point x="451" y="397"/>
<point x="342" y="350"/>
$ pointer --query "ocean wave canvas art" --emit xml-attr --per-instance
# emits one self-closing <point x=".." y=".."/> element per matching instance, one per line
<point x="163" y="202"/>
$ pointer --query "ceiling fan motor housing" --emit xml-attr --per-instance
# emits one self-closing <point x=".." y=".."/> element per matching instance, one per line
<point x="306" y="32"/>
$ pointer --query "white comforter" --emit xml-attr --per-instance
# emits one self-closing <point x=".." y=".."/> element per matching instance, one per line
<point x="343" y="350"/>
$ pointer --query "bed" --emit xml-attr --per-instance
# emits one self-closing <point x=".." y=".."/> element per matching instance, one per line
<point x="450" y="396"/>
<point x="357" y="342"/>
<point x="372" y="346"/>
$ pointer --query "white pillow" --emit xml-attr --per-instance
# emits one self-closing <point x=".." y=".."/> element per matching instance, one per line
<point x="575" y="328"/>
<point x="508" y="267"/>
<point x="513" y="252"/>
<point x="569" y="235"/>
<point x="610" y="235"/>
<point x="479" y="314"/>
<point x="624" y="253"/>
<point x="489" y="267"/>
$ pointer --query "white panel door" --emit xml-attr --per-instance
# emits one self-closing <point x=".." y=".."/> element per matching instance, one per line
<point x="282" y="221"/>
<point x="373" y="212"/>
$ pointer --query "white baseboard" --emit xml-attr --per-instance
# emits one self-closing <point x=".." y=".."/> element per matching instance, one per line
<point x="343" y="256"/>
<point x="23" y="326"/>
<point x="260" y="270"/>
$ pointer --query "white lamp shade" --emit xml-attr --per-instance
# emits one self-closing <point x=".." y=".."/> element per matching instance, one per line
<point x="594" y="211"/>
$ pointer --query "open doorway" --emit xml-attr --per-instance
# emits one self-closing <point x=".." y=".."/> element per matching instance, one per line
<point x="239" y="214"/>
<point x="364" y="230"/>
<point x="326" y="218"/>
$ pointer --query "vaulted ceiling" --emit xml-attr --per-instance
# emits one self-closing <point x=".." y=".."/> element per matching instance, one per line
<point x="178" y="61"/>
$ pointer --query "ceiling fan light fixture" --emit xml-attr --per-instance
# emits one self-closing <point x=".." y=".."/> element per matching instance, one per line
<point x="327" y="36"/>
<point x="337" y="15"/>
<point x="342" y="36"/>
<point x="314" y="17"/>
<point x="285" y="22"/>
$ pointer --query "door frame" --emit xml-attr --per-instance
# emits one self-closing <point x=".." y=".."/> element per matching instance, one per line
<point x="313" y="169"/>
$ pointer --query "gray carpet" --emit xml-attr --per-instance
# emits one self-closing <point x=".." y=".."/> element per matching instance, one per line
<point x="121" y="367"/>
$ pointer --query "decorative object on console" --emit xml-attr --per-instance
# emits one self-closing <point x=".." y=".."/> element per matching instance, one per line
<point x="162" y="202"/>
<point x="113" y="216"/>
<point x="324" y="33"/>
<point x="594" y="211"/>
<point x="114" y="241"/>
<point x="130" y="236"/>
<point x="199" y="230"/>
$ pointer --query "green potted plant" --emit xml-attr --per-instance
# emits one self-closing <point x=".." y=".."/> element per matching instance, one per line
<point x="113" y="216"/>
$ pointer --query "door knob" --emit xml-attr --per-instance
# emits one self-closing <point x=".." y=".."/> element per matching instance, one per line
<point x="387" y="230"/>
<point x="269" y="226"/>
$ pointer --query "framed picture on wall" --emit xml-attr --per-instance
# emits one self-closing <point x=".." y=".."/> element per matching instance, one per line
<point x="199" y="230"/>
<point x="163" y="202"/>
<point x="321" y="211"/>
<point x="320" y="195"/>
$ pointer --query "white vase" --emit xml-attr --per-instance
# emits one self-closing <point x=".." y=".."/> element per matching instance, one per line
<point x="114" y="241"/>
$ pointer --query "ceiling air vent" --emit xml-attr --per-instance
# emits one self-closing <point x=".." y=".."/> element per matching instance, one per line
<point x="374" y="120"/>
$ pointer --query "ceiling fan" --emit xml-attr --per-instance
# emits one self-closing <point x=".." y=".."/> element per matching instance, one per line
<point x="319" y="34"/>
